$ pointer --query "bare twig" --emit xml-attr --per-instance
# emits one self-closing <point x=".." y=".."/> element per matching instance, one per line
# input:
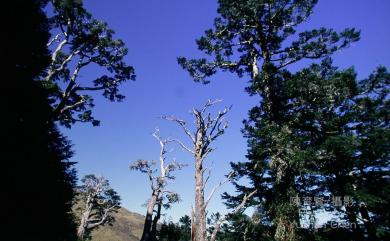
<point x="237" y="210"/>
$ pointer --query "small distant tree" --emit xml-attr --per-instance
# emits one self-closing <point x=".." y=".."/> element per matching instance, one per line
<point x="161" y="197"/>
<point x="79" y="41"/>
<point x="207" y="130"/>
<point x="176" y="231"/>
<point x="100" y="203"/>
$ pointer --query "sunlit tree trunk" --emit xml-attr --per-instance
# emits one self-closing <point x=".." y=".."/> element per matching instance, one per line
<point x="146" y="234"/>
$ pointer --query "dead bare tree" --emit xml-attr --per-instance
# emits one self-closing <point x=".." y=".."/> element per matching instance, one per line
<point x="207" y="130"/>
<point x="100" y="202"/>
<point x="160" y="197"/>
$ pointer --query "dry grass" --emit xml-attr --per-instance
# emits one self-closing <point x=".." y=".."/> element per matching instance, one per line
<point x="127" y="227"/>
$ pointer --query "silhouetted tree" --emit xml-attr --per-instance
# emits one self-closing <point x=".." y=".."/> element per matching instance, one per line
<point x="38" y="177"/>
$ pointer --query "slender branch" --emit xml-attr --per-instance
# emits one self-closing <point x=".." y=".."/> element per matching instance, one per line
<point x="208" y="175"/>
<point x="57" y="50"/>
<point x="53" y="39"/>
<point x="183" y="146"/>
<point x="238" y="209"/>
<point x="183" y="124"/>
<point x="53" y="71"/>
<point x="68" y="107"/>
<point x="216" y="187"/>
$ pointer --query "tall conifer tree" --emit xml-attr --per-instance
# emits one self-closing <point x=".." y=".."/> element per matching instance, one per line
<point x="258" y="39"/>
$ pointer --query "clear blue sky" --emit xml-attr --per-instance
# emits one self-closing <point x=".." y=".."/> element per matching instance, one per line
<point x="156" y="32"/>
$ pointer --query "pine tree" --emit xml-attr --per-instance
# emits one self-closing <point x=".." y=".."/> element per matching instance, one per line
<point x="254" y="38"/>
<point x="357" y="152"/>
<point x="38" y="177"/>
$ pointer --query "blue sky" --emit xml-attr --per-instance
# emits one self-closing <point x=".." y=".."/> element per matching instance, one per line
<point x="156" y="33"/>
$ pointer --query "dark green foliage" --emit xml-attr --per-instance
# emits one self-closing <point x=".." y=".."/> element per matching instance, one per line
<point x="359" y="154"/>
<point x="37" y="175"/>
<point x="176" y="231"/>
<point x="79" y="40"/>
<point x="332" y="136"/>
<point x="241" y="227"/>
<point x="253" y="32"/>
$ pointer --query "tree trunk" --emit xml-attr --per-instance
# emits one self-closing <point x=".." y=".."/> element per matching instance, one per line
<point x="146" y="234"/>
<point x="155" y="222"/>
<point x="357" y="234"/>
<point x="199" y="227"/>
<point x="371" y="231"/>
<point x="84" y="221"/>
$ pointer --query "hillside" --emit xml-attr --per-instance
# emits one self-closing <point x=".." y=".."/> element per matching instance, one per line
<point x="127" y="227"/>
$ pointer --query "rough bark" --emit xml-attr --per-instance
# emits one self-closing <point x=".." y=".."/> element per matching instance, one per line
<point x="200" y="230"/>
<point x="84" y="220"/>
<point x="146" y="234"/>
<point x="155" y="222"/>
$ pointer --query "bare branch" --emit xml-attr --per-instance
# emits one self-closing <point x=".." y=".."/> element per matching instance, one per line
<point x="69" y="89"/>
<point x="238" y="209"/>
<point x="208" y="175"/>
<point x="183" y="146"/>
<point x="53" y="39"/>
<point x="216" y="187"/>
<point x="53" y="71"/>
<point x="210" y="103"/>
<point x="68" y="107"/>
<point x="57" y="50"/>
<point x="183" y="124"/>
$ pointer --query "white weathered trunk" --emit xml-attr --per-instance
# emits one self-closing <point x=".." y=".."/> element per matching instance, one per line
<point x="199" y="232"/>
<point x="84" y="221"/>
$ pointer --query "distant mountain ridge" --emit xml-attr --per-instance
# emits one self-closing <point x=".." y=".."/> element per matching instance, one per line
<point x="128" y="226"/>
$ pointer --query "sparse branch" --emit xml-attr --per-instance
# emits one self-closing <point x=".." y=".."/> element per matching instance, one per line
<point x="68" y="91"/>
<point x="210" y="103"/>
<point x="207" y="129"/>
<point x="237" y="210"/>
<point x="183" y="146"/>
<point x="57" y="50"/>
<point x="216" y="187"/>
<point x="53" y="71"/>
<point x="208" y="175"/>
<point x="217" y="128"/>
<point x="183" y="124"/>
<point x="100" y="202"/>
<point x="53" y="40"/>
<point x="160" y="197"/>
<point x="145" y="166"/>
<point x="102" y="219"/>
<point x="89" y="88"/>
<point x="78" y="103"/>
